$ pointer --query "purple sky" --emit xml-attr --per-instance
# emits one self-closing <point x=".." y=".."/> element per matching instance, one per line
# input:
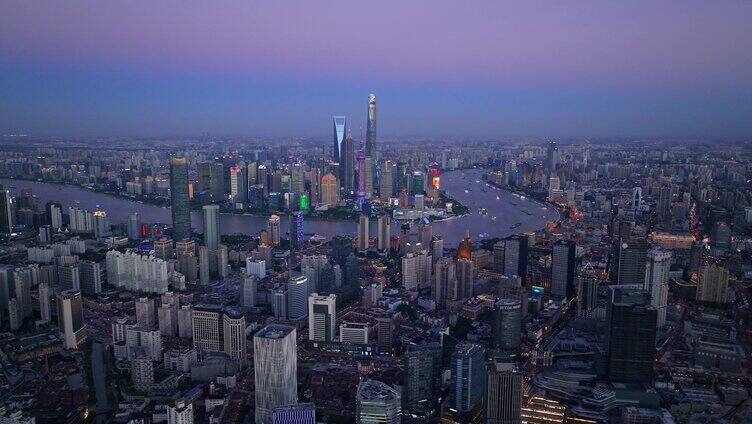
<point x="479" y="68"/>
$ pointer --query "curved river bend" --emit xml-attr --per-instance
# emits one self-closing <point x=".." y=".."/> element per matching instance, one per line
<point x="506" y="214"/>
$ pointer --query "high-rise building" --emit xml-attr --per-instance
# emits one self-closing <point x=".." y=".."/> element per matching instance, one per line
<point x="134" y="226"/>
<point x="384" y="232"/>
<point x="498" y="257"/>
<point x="329" y="190"/>
<point x="135" y="272"/>
<point x="630" y="335"/>
<point x="297" y="298"/>
<point x="322" y="317"/>
<point x="297" y="178"/>
<point x="6" y="211"/>
<point x="233" y="334"/>
<point x="445" y="285"/>
<point x="363" y="232"/>
<point x="70" y="313"/>
<point x="386" y="180"/>
<point x="377" y="403"/>
<point x="211" y="226"/>
<point x="503" y="394"/>
<point x="203" y="264"/>
<point x="273" y="230"/>
<point x="69" y="277"/>
<point x="385" y="333"/>
<point x="410" y="271"/>
<point x="54" y="211"/>
<point x="587" y="291"/>
<point x="515" y="256"/>
<point x="371" y="146"/>
<point x="276" y="370"/>
<point x="467" y="390"/>
<point x="630" y="258"/>
<point x="181" y="208"/>
<point x="347" y="164"/>
<point x="656" y="282"/>
<point x="418" y="389"/>
<point x="552" y="157"/>
<point x="296" y="230"/>
<point x="712" y="284"/>
<point x="340" y="129"/>
<point x="217" y="329"/>
<point x="145" y="313"/>
<point x="508" y="324"/>
<point x="464" y="278"/>
<point x="315" y="178"/>
<point x="354" y="333"/>
<point x="90" y="273"/>
<point x="238" y="184"/>
<point x="368" y="176"/>
<point x="44" y="303"/>
<point x="249" y="292"/>
<point x="562" y="269"/>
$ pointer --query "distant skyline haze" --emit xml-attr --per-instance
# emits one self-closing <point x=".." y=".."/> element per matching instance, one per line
<point x="438" y="68"/>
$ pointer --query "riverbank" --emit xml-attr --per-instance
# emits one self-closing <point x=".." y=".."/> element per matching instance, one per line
<point x="453" y="229"/>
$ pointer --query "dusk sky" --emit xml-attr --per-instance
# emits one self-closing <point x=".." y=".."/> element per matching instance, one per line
<point x="438" y="68"/>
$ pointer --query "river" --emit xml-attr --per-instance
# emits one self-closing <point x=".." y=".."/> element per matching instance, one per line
<point x="504" y="210"/>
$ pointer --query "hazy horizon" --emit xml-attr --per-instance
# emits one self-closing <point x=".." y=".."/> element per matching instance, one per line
<point x="441" y="69"/>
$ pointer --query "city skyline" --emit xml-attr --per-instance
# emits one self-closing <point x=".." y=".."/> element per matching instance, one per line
<point x="553" y="70"/>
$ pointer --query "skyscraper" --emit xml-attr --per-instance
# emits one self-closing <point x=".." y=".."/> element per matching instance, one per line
<point x="180" y="206"/>
<point x="297" y="178"/>
<point x="515" y="256"/>
<point x="329" y="190"/>
<point x="371" y="146"/>
<point x="70" y="313"/>
<point x="562" y="269"/>
<point x="296" y="230"/>
<point x="465" y="278"/>
<point x="445" y="282"/>
<point x="340" y="129"/>
<point x="272" y="230"/>
<point x="363" y="232"/>
<point x="507" y="326"/>
<point x="347" y="164"/>
<point x="587" y="290"/>
<point x="630" y="258"/>
<point x="712" y="284"/>
<point x="386" y="187"/>
<point x="418" y="389"/>
<point x="45" y="311"/>
<point x="630" y="335"/>
<point x="6" y="211"/>
<point x="322" y="317"/>
<point x="238" y="184"/>
<point x="656" y="282"/>
<point x="377" y="403"/>
<point x="211" y="226"/>
<point x="276" y="370"/>
<point x="384" y="232"/>
<point x="297" y="298"/>
<point x="467" y="389"/>
<point x="503" y="394"/>
<point x="217" y="329"/>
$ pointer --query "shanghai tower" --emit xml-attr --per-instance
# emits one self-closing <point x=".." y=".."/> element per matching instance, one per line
<point x="181" y="209"/>
<point x="371" y="130"/>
